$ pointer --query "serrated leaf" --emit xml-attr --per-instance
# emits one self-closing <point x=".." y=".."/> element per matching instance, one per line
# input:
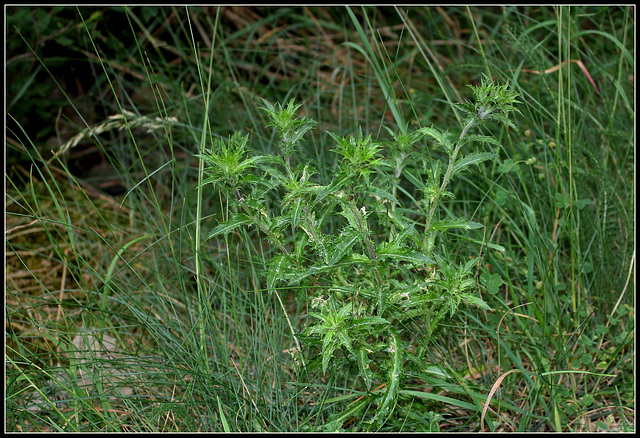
<point x="472" y="299"/>
<point x="408" y="231"/>
<point x="446" y="224"/>
<point x="328" y="347"/>
<point x="439" y="136"/>
<point x="466" y="284"/>
<point x="344" y="243"/>
<point x="394" y="252"/>
<point x="277" y="268"/>
<point x="300" y="245"/>
<point x="311" y="271"/>
<point x="369" y="320"/>
<point x="470" y="159"/>
<point x="211" y="180"/>
<point x="383" y="194"/>
<point x="467" y="107"/>
<point x="345" y="340"/>
<point x="389" y="400"/>
<point x="236" y="221"/>
<point x="364" y="371"/>
<point x="439" y="371"/>
<point x="300" y="132"/>
<point x="501" y="118"/>
<point x="347" y="212"/>
<point x="360" y="258"/>
<point x="275" y="173"/>
<point x="482" y="139"/>
<point x="345" y="310"/>
<point x="295" y="213"/>
<point x="398" y="219"/>
<point x="334" y="188"/>
<point x="467" y="267"/>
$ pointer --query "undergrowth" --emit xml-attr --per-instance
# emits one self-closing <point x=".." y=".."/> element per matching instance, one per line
<point x="348" y="225"/>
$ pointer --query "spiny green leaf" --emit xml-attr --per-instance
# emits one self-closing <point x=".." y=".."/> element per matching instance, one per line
<point x="407" y="232"/>
<point x="335" y="187"/>
<point x="295" y="213"/>
<point x="309" y="225"/>
<point x="364" y="371"/>
<point x="440" y="137"/>
<point x="343" y="244"/>
<point x="236" y="221"/>
<point x="345" y="310"/>
<point x="311" y="271"/>
<point x="399" y="220"/>
<point x="289" y="126"/>
<point x="359" y="154"/>
<point x="446" y="224"/>
<point x="482" y="139"/>
<point x="345" y="340"/>
<point x="389" y="400"/>
<point x="277" y="268"/>
<point x="405" y="140"/>
<point x="298" y="133"/>
<point x="470" y="159"/>
<point x="368" y="321"/>
<point x="350" y="215"/>
<point x="382" y="194"/>
<point x="468" y="108"/>
<point x="328" y="347"/>
<point x="472" y="299"/>
<point x="300" y="245"/>
<point x="395" y="252"/>
<point x="360" y="259"/>
<point x="276" y="174"/>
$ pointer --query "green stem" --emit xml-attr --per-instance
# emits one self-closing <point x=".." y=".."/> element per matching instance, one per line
<point x="447" y="175"/>
<point x="371" y="252"/>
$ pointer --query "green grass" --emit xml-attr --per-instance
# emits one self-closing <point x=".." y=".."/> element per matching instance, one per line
<point x="121" y="317"/>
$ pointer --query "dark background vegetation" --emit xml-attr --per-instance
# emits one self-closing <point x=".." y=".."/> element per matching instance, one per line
<point x="566" y="219"/>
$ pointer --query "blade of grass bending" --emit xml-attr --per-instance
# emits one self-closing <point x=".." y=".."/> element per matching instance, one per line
<point x="475" y="32"/>
<point x="385" y="85"/>
<point x="107" y="279"/>
<point x="124" y="198"/>
<point x="494" y="388"/>
<point x="421" y="43"/>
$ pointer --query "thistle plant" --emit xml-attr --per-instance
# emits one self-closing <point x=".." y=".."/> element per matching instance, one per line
<point x="360" y="255"/>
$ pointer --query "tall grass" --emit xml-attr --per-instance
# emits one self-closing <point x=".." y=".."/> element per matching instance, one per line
<point x="121" y="318"/>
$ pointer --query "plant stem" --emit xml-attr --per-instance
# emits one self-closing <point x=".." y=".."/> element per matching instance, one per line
<point x="447" y="176"/>
<point x="371" y="252"/>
